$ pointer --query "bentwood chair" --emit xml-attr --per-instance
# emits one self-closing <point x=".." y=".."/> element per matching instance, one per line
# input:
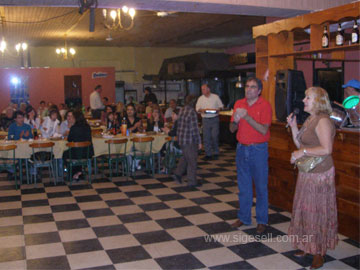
<point x="42" y="157"/>
<point x="116" y="154"/>
<point x="142" y="151"/>
<point x="173" y="153"/>
<point x="165" y="160"/>
<point x="79" y="156"/>
<point x="8" y="161"/>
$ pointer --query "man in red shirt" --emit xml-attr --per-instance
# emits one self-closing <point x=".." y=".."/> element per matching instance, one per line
<point x="252" y="120"/>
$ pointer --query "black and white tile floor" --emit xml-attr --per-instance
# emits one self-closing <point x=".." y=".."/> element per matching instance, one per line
<point x="145" y="223"/>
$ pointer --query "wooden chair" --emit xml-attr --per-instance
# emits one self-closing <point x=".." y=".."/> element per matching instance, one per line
<point x="9" y="163"/>
<point x="42" y="157"/>
<point x="79" y="155"/>
<point x="117" y="156"/>
<point x="172" y="155"/>
<point x="142" y="150"/>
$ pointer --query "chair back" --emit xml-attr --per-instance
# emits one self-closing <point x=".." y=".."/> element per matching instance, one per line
<point x="8" y="147"/>
<point x="142" y="144"/>
<point x="42" y="151"/>
<point x="79" y="150"/>
<point x="117" y="146"/>
<point x="6" y="154"/>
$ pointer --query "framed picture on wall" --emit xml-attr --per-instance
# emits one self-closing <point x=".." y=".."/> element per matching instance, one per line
<point x="130" y="95"/>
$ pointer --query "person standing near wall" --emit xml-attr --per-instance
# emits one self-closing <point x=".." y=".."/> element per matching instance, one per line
<point x="149" y="96"/>
<point x="96" y="103"/>
<point x="209" y="105"/>
<point x="252" y="120"/>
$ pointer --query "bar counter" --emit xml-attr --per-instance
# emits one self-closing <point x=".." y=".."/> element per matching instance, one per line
<point x="282" y="175"/>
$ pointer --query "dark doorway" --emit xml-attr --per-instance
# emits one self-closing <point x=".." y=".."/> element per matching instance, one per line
<point x="72" y="91"/>
<point x="331" y="79"/>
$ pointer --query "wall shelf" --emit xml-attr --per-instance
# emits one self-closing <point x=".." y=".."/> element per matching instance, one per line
<point x="323" y="50"/>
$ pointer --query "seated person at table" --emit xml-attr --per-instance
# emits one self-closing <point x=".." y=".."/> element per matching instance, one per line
<point x="104" y="114"/>
<point x="79" y="132"/>
<point x="120" y="109"/>
<point x="173" y="131"/>
<point x="50" y="126"/>
<point x="156" y="122"/>
<point x="68" y="123"/>
<point x="43" y="110"/>
<point x="19" y="130"/>
<point x="22" y="107"/>
<point x="62" y="111"/>
<point x="132" y="121"/>
<point x="169" y="111"/>
<point x="7" y="119"/>
<point x="31" y="118"/>
<point x="112" y="121"/>
<point x="149" y="109"/>
<point x="139" y="108"/>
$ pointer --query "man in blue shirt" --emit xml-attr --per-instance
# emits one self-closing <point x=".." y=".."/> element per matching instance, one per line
<point x="19" y="130"/>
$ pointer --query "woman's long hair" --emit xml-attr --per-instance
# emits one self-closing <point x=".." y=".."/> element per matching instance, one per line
<point x="28" y="110"/>
<point x="79" y="118"/>
<point x="156" y="108"/>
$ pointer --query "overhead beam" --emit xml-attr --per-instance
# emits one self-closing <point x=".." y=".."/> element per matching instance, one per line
<point x="278" y="8"/>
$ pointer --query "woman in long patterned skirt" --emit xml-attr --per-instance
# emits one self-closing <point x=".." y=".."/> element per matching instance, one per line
<point x="313" y="226"/>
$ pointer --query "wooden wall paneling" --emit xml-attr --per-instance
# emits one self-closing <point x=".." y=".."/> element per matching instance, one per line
<point x="282" y="176"/>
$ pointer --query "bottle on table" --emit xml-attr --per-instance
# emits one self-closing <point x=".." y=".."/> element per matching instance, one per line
<point x="325" y="38"/>
<point x="355" y="33"/>
<point x="339" y="40"/>
<point x="123" y="127"/>
<point x="35" y="134"/>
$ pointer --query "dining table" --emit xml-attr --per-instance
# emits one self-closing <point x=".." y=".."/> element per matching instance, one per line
<point x="24" y="151"/>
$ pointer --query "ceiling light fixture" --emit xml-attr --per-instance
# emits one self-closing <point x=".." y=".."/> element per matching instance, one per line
<point x="21" y="47"/>
<point x="113" y="20"/>
<point x="65" y="52"/>
<point x="2" y="45"/>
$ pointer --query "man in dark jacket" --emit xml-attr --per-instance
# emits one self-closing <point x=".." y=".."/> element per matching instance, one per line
<point x="189" y="140"/>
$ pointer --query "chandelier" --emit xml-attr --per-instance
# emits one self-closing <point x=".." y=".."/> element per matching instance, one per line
<point x="113" y="20"/>
<point x="21" y="47"/>
<point x="65" y="52"/>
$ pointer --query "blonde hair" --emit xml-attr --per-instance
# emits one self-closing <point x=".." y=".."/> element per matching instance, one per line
<point x="321" y="101"/>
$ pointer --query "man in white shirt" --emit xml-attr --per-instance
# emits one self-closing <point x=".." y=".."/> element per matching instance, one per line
<point x="96" y="103"/>
<point x="209" y="105"/>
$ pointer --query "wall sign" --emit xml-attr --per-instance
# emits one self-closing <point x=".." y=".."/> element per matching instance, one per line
<point x="96" y="75"/>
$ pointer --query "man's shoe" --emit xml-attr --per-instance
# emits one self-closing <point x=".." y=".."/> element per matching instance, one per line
<point x="215" y="157"/>
<point x="237" y="223"/>
<point x="177" y="179"/>
<point x="207" y="158"/>
<point x="300" y="254"/>
<point x="260" y="228"/>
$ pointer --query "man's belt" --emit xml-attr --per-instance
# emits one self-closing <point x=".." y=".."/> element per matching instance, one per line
<point x="251" y="144"/>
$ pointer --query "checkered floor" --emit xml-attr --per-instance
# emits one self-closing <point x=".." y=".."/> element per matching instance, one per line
<point x="145" y="223"/>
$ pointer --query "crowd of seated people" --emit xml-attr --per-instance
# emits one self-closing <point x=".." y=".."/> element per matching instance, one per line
<point x="52" y="120"/>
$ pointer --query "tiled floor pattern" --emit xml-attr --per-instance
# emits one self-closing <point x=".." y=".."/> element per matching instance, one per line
<point x="145" y="223"/>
